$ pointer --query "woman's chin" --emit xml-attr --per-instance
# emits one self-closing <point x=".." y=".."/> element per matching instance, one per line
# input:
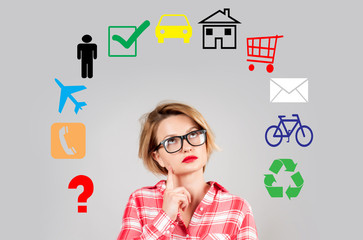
<point x="189" y="169"/>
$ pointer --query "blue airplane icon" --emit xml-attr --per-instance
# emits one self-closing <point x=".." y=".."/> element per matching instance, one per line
<point x="66" y="92"/>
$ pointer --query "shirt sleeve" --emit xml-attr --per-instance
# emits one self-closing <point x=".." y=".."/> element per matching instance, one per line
<point x="132" y="227"/>
<point x="248" y="228"/>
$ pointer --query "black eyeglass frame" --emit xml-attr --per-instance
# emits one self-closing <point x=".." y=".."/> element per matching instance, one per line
<point x="204" y="131"/>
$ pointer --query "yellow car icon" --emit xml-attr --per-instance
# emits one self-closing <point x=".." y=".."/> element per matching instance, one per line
<point x="173" y="26"/>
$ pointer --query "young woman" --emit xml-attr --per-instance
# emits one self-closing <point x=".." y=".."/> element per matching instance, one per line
<point x="176" y="141"/>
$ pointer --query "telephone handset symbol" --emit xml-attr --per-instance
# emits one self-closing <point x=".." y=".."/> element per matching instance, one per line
<point x="69" y="150"/>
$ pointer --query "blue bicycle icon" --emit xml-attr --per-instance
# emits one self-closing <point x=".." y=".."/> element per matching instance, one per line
<point x="274" y="134"/>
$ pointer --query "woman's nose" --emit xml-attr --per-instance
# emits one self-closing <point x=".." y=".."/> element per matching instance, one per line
<point x="186" y="146"/>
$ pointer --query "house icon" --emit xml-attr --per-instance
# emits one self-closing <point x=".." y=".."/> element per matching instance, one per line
<point x="219" y="27"/>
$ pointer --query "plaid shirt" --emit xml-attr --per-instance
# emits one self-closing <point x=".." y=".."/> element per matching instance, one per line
<point x="220" y="215"/>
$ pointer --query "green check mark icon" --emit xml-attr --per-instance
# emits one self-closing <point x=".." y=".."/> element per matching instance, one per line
<point x="127" y="43"/>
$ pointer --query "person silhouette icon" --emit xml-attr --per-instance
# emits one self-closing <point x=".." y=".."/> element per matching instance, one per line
<point x="86" y="52"/>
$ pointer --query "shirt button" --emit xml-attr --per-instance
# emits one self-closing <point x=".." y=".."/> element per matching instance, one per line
<point x="187" y="235"/>
<point x="201" y="209"/>
<point x="172" y="226"/>
<point x="167" y="232"/>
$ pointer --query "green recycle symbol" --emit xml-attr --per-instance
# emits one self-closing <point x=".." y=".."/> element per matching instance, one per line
<point x="290" y="166"/>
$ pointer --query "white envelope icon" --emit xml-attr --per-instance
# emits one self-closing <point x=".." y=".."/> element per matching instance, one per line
<point x="289" y="90"/>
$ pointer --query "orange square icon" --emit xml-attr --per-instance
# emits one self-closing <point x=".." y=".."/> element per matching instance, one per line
<point x="68" y="140"/>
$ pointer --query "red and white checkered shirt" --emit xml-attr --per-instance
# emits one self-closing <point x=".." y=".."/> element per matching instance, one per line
<point x="220" y="215"/>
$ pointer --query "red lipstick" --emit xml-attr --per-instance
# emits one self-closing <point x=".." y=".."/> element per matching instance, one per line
<point x="189" y="159"/>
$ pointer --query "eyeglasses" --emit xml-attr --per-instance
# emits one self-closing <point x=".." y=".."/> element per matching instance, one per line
<point x="174" y="144"/>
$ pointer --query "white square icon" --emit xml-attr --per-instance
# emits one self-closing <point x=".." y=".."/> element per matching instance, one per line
<point x="289" y="90"/>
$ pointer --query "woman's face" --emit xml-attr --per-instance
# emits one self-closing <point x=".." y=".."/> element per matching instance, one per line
<point x="179" y="125"/>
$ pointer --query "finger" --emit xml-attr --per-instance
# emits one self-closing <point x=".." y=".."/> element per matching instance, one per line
<point x="182" y="205"/>
<point x="169" y="180"/>
<point x="184" y="191"/>
<point x="182" y="200"/>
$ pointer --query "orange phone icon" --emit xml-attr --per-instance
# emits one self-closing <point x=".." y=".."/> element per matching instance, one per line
<point x="68" y="140"/>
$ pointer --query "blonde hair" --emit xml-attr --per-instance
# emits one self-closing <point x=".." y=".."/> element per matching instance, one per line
<point x="150" y="123"/>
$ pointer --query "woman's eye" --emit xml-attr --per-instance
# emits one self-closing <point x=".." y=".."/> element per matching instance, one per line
<point x="193" y="134"/>
<point x="171" y="141"/>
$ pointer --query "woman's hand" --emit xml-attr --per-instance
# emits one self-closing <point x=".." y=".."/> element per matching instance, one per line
<point x="174" y="198"/>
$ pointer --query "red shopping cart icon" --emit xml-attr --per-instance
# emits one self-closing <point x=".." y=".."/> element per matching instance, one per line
<point x="262" y="50"/>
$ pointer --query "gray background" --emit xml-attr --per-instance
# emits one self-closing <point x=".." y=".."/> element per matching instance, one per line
<point x="322" y="41"/>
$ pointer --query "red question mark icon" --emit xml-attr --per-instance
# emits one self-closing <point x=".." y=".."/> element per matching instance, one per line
<point x="87" y="184"/>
